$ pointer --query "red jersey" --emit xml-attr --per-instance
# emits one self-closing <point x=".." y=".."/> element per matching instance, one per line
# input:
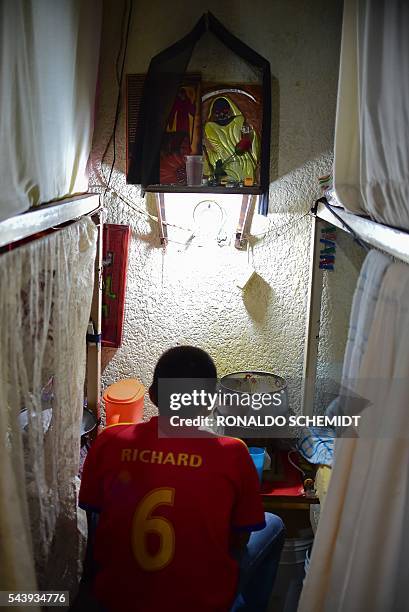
<point x="167" y="510"/>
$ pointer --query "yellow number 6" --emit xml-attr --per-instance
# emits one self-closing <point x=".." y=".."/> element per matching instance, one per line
<point x="143" y="523"/>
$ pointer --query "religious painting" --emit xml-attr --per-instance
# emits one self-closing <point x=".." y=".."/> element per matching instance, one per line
<point x="232" y="121"/>
<point x="182" y="134"/>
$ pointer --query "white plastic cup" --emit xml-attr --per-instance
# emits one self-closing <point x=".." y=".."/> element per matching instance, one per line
<point x="194" y="169"/>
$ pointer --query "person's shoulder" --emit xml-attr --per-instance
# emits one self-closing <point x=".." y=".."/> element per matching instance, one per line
<point x="120" y="432"/>
<point x="233" y="444"/>
<point x="233" y="452"/>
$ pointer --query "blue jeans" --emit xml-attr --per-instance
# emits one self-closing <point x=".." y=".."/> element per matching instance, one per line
<point x="258" y="566"/>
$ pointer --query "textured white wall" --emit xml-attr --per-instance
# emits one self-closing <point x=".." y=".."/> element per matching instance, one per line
<point x="189" y="296"/>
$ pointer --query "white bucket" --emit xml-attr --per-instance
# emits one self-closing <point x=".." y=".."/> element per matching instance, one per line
<point x="294" y="551"/>
<point x="290" y="574"/>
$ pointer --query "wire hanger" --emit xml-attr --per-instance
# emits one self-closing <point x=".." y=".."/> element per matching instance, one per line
<point x="355" y="236"/>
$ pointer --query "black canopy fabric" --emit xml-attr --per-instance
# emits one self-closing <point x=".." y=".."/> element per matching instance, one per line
<point x="165" y="76"/>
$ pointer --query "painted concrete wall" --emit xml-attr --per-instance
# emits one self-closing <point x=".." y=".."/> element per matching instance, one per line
<point x="190" y="296"/>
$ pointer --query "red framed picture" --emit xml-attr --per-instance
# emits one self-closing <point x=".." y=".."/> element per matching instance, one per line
<point x="115" y="265"/>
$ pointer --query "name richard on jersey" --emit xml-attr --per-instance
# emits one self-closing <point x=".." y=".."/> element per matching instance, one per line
<point x="161" y="457"/>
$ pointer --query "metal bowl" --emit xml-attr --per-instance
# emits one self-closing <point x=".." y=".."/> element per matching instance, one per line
<point x="254" y="382"/>
<point x="89" y="422"/>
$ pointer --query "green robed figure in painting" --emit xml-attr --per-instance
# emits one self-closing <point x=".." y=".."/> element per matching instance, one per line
<point x="226" y="129"/>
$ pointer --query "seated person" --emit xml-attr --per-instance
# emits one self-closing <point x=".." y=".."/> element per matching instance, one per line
<point x="176" y="515"/>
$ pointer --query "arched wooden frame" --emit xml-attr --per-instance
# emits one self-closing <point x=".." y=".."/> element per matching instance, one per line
<point x="165" y="75"/>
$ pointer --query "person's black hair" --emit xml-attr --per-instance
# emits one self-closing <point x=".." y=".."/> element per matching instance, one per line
<point x="182" y="362"/>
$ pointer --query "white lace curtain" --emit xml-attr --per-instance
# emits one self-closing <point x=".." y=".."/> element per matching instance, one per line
<point x="45" y="299"/>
